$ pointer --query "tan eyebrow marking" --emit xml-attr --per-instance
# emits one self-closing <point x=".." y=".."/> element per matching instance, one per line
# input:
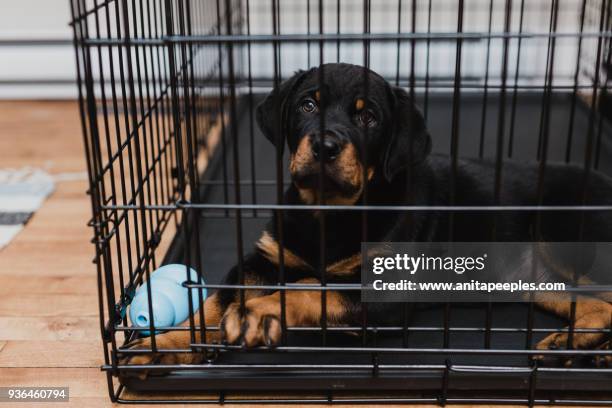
<point x="359" y="104"/>
<point x="318" y="96"/>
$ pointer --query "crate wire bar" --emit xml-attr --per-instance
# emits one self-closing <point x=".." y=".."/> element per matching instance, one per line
<point x="178" y="172"/>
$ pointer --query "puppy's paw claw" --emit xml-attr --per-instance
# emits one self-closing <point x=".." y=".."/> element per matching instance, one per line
<point x="257" y="325"/>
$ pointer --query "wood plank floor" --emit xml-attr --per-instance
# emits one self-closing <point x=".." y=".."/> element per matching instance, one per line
<point x="49" y="329"/>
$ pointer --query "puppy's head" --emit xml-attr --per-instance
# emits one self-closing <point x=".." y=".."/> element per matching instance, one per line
<point x="345" y="131"/>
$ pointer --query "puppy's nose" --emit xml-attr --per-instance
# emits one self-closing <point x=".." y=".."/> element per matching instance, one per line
<point x="327" y="150"/>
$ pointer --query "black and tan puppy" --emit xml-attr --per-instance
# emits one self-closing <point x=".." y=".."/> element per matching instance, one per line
<point x="376" y="142"/>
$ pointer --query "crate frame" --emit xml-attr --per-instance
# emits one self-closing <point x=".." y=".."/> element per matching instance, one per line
<point x="165" y="120"/>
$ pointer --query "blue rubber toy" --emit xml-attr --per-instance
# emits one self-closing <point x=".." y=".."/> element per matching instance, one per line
<point x="170" y="298"/>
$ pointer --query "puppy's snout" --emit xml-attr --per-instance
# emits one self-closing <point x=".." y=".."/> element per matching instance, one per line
<point x="327" y="149"/>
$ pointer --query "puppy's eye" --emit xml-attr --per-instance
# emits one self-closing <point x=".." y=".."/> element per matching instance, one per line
<point x="366" y="118"/>
<point x="309" y="106"/>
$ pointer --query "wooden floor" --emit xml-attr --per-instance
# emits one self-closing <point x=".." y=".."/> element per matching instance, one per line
<point x="49" y="329"/>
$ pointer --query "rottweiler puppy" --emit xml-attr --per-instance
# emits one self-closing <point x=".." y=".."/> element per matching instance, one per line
<point x="374" y="149"/>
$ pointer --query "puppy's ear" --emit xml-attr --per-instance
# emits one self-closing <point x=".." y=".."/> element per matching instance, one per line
<point x="272" y="113"/>
<point x="410" y="142"/>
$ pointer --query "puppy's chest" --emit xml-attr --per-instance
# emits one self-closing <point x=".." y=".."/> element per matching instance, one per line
<point x="336" y="253"/>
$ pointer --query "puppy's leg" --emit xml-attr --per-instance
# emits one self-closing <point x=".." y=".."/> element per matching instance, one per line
<point x="179" y="339"/>
<point x="260" y="324"/>
<point x="256" y="267"/>
<point x="591" y="313"/>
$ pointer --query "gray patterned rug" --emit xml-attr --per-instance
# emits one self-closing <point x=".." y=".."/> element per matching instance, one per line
<point x="22" y="192"/>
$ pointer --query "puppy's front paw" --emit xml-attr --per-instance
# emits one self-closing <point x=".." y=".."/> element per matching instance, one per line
<point x="604" y="360"/>
<point x="172" y="340"/>
<point x="598" y="319"/>
<point x="581" y="340"/>
<point x="259" y="325"/>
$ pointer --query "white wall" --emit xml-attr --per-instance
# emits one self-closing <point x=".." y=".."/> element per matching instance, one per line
<point x="36" y="19"/>
<point x="48" y="19"/>
<point x="383" y="55"/>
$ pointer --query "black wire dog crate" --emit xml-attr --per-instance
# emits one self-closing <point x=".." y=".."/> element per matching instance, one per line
<point x="179" y="173"/>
